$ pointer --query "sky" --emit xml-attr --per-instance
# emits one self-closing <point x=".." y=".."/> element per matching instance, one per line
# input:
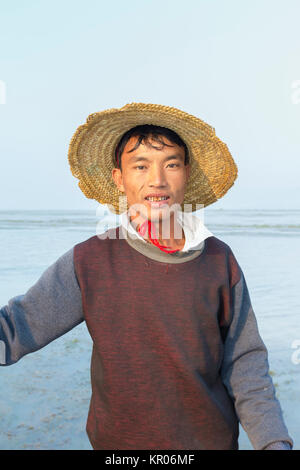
<point x="234" y="64"/>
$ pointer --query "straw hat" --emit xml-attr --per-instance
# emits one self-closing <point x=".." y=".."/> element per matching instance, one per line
<point x="92" y="153"/>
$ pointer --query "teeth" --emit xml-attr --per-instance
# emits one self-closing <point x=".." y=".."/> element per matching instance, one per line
<point x="156" y="198"/>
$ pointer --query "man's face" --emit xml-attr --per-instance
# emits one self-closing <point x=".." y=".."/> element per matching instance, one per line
<point x="149" y="170"/>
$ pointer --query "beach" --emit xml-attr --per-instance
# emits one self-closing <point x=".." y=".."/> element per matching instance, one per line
<point x="45" y="396"/>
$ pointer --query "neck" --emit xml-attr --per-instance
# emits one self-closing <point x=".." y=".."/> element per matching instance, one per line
<point x="168" y="232"/>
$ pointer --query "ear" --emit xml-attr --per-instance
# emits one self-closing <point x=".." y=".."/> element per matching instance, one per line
<point x="188" y="171"/>
<point x="118" y="179"/>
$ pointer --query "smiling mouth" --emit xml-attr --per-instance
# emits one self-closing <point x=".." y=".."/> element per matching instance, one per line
<point x="157" y="198"/>
<point x="157" y="201"/>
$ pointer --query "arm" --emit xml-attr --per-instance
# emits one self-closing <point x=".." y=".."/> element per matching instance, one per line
<point x="49" y="309"/>
<point x="245" y="373"/>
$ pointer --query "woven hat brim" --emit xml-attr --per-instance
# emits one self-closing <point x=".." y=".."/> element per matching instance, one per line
<point x="92" y="149"/>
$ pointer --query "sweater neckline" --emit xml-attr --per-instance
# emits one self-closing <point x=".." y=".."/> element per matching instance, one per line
<point x="154" y="253"/>
<point x="194" y="230"/>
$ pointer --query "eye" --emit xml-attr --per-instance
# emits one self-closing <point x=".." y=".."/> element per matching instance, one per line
<point x="173" y="164"/>
<point x="140" y="166"/>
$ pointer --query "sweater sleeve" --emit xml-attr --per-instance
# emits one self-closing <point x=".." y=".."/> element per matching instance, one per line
<point x="49" y="309"/>
<point x="245" y="373"/>
<point x="278" y="445"/>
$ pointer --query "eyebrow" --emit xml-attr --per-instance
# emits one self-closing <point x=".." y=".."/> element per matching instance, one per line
<point x="145" y="159"/>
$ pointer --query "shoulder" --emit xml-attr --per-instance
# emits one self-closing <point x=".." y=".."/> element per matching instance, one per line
<point x="97" y="244"/>
<point x="224" y="256"/>
<point x="217" y="246"/>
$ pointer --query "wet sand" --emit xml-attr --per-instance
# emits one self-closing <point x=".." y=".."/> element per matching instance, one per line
<point x="47" y="395"/>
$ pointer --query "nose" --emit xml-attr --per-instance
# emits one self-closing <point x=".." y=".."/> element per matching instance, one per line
<point x="156" y="176"/>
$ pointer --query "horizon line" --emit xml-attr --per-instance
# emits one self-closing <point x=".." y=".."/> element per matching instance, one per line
<point x="205" y="208"/>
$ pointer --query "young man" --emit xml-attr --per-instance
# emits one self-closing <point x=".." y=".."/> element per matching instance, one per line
<point x="177" y="358"/>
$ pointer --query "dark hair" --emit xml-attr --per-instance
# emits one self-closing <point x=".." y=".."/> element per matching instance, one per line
<point x="144" y="132"/>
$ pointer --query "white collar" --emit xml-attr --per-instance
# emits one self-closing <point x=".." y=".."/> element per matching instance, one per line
<point x="194" y="229"/>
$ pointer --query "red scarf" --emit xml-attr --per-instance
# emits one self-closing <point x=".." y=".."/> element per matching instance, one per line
<point x="142" y="230"/>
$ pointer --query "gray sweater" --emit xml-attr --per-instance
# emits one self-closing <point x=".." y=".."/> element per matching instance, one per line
<point x="53" y="306"/>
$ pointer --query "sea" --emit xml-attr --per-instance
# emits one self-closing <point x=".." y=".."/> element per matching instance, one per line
<point x="45" y="396"/>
